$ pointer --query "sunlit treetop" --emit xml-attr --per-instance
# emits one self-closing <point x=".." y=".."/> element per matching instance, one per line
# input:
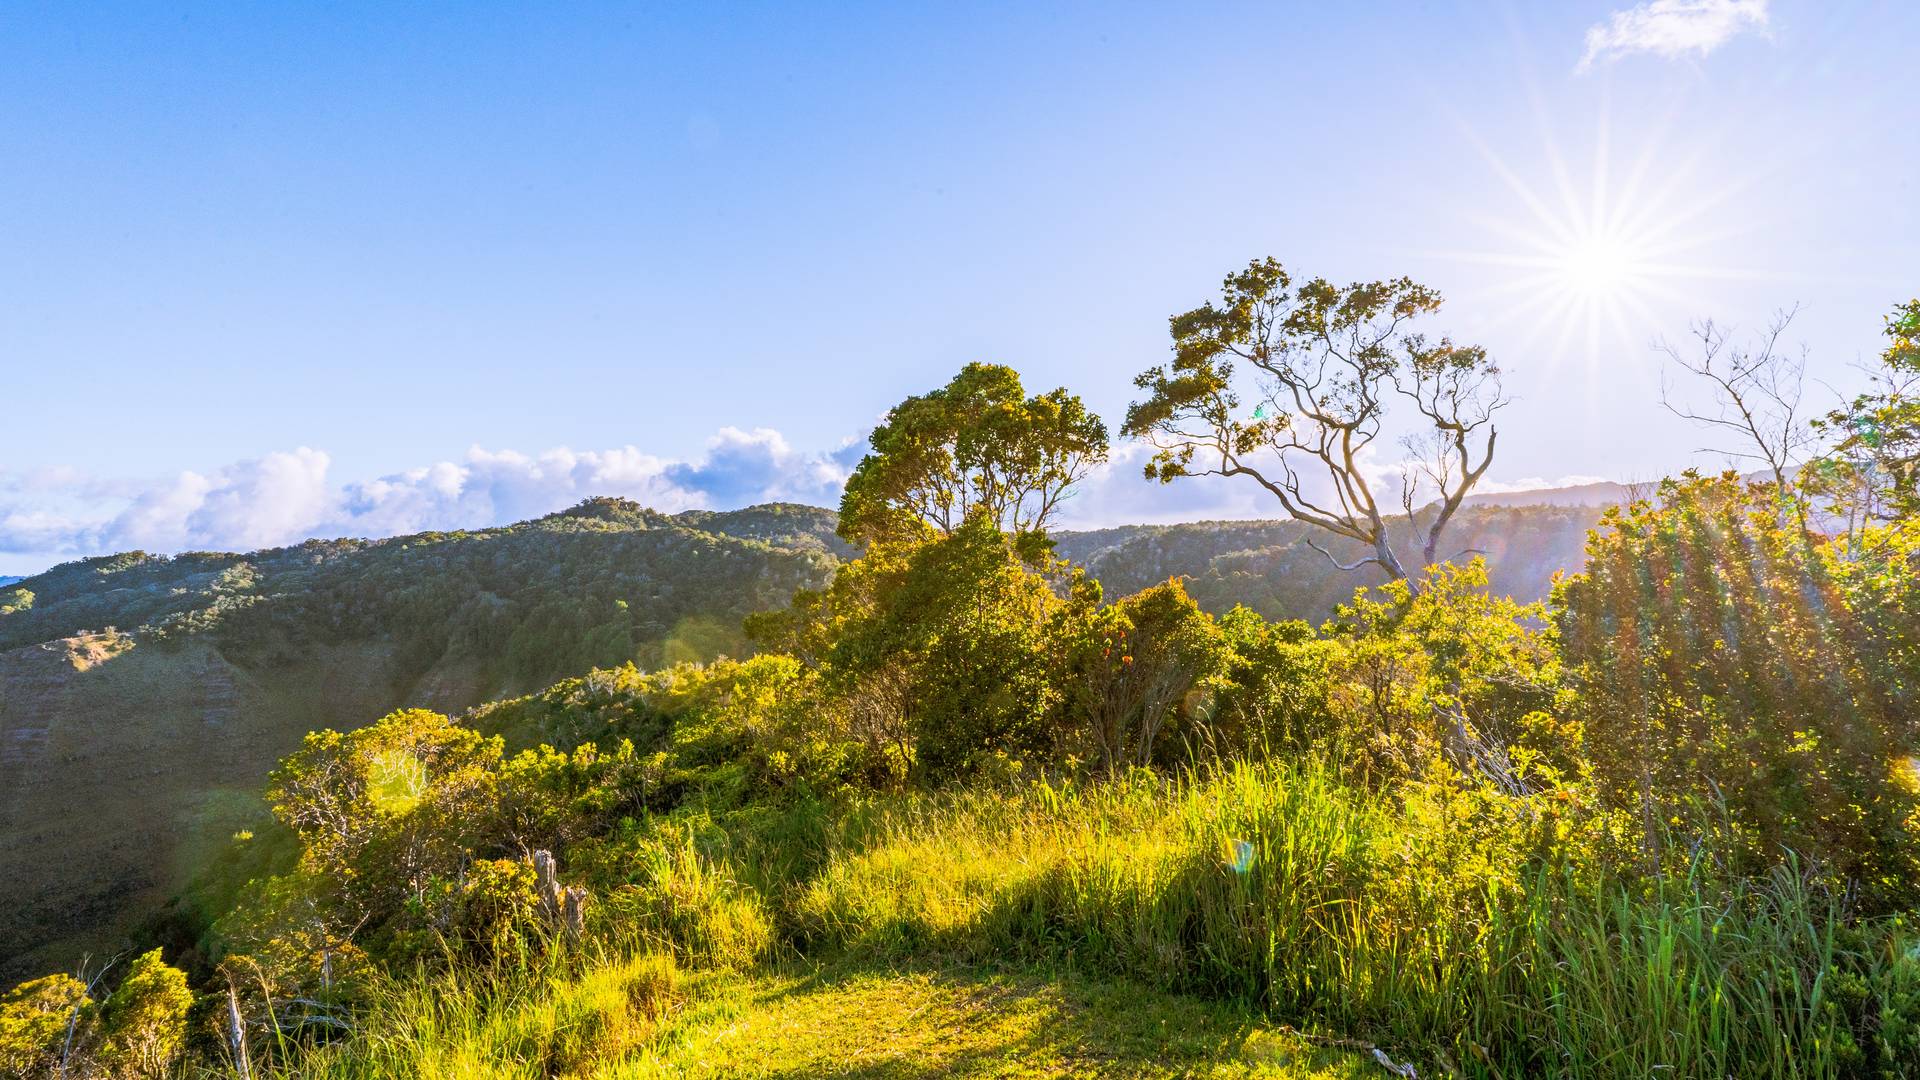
<point x="1288" y="386"/>
<point x="978" y="446"/>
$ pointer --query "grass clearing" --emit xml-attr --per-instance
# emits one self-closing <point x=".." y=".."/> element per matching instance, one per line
<point x="967" y="1022"/>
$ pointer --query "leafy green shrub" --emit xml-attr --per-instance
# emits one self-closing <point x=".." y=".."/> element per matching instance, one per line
<point x="34" y="1020"/>
<point x="1441" y="669"/>
<point x="384" y="811"/>
<point x="1731" y="671"/>
<point x="1272" y="698"/>
<point x="1139" y="673"/>
<point x="954" y="637"/>
<point x="144" y="1021"/>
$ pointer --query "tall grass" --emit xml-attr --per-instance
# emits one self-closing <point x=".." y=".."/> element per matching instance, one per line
<point x="1458" y="926"/>
<point x="532" y="1013"/>
<point x="1466" y="930"/>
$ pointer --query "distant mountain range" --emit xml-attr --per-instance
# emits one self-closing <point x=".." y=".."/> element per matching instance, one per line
<point x="144" y="698"/>
<point x="1599" y="494"/>
<point x="6" y="580"/>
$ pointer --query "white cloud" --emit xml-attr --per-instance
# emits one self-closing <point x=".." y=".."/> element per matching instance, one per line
<point x="758" y="465"/>
<point x="286" y="496"/>
<point x="1673" y="28"/>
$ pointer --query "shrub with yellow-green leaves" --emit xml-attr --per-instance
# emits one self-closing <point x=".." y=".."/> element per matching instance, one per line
<point x="52" y="1026"/>
<point x="35" y="1018"/>
<point x="144" y="1021"/>
<point x="1440" y="669"/>
<point x="1735" y="673"/>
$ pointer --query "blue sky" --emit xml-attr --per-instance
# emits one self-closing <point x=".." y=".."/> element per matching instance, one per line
<point x="268" y="271"/>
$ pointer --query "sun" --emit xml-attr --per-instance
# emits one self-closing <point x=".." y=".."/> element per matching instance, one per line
<point x="1594" y="255"/>
<point x="1599" y="266"/>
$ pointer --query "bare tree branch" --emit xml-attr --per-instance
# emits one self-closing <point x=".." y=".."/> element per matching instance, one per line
<point x="1756" y="390"/>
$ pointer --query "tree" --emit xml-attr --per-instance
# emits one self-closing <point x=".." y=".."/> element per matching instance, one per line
<point x="1873" y="469"/>
<point x="1756" y="396"/>
<point x="976" y="446"/>
<point x="1319" y="363"/>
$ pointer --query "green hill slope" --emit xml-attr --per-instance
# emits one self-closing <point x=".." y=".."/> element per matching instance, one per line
<point x="122" y="749"/>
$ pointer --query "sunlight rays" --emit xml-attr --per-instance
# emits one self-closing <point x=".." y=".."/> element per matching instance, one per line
<point x="1596" y="263"/>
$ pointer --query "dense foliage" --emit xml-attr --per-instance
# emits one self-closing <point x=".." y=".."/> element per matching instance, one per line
<point x="1662" y="823"/>
<point x="1726" y="663"/>
<point x="1873" y="466"/>
<point x="976" y="448"/>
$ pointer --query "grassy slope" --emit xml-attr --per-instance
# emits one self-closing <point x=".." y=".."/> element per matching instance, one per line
<point x="1004" y="932"/>
<point x="963" y="1022"/>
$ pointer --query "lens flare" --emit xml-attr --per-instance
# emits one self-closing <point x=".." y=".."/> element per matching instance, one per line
<point x="1607" y="260"/>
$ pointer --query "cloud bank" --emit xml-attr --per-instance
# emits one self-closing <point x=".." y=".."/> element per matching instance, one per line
<point x="1673" y="28"/>
<point x="287" y="496"/>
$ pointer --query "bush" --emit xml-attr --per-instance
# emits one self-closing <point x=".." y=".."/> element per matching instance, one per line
<point x="1440" y="669"/>
<point x="956" y="634"/>
<point x="1139" y="674"/>
<point x="1732" y="671"/>
<point x="34" y="1020"/>
<point x="145" y="1019"/>
<point x="1272" y="698"/>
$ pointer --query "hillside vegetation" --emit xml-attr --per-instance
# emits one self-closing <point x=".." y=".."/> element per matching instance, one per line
<point x="968" y="810"/>
<point x="157" y="692"/>
<point x="240" y="654"/>
<point x="1267" y="566"/>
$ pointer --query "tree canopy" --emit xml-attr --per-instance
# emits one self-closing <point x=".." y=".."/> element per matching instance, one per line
<point x="1875" y="461"/>
<point x="1289" y="386"/>
<point x="979" y="445"/>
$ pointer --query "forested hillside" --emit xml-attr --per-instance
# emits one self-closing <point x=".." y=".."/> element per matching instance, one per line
<point x="594" y="584"/>
<point x="156" y="692"/>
